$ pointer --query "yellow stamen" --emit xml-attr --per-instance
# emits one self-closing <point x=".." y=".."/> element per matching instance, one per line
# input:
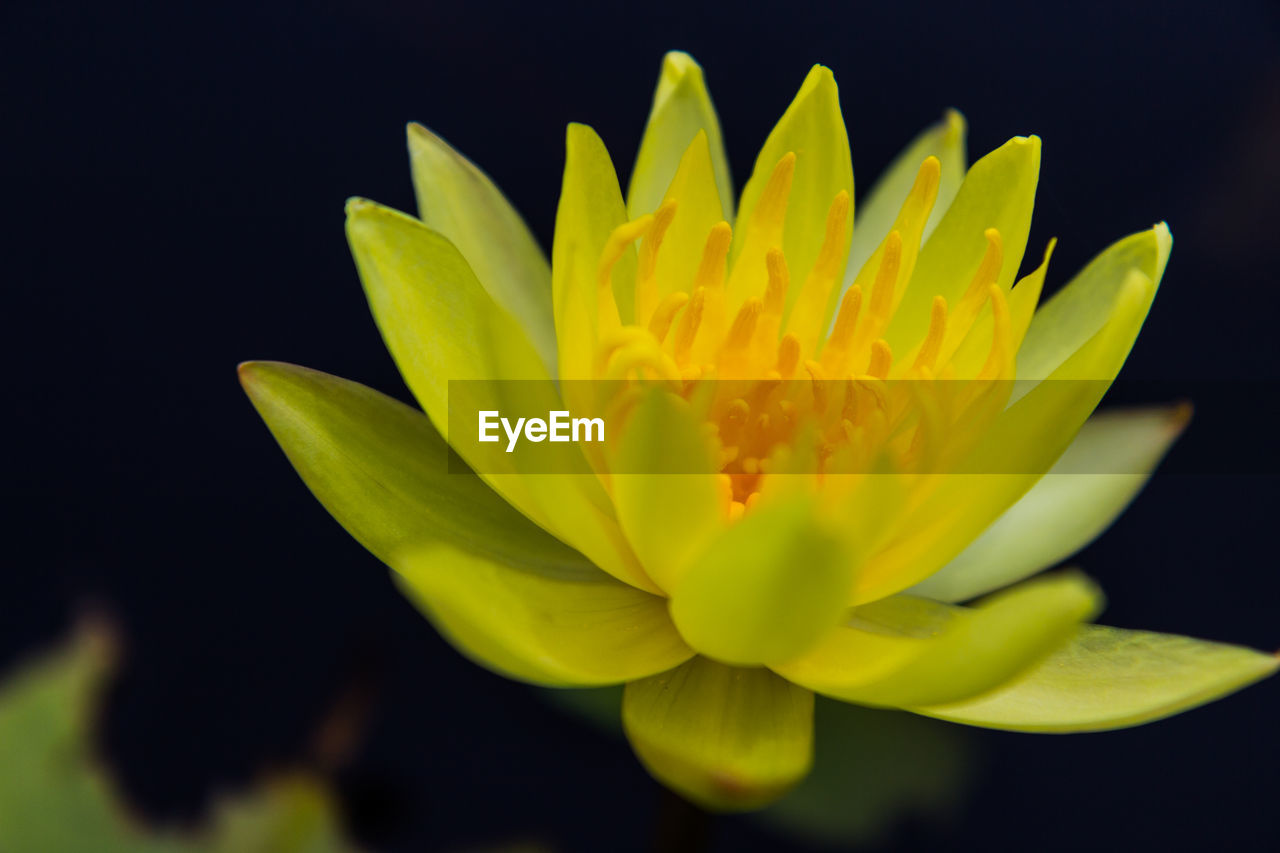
<point x="835" y="355"/>
<point x="660" y="322"/>
<point x="646" y="283"/>
<point x="687" y="329"/>
<point x="788" y="356"/>
<point x="711" y="269"/>
<point x="614" y="248"/>
<point x="881" y="359"/>
<point x="744" y="325"/>
<point x="1000" y="361"/>
<point x="809" y="317"/>
<point x="771" y="209"/>
<point x="927" y="358"/>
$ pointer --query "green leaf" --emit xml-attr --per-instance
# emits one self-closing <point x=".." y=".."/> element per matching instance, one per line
<point x="681" y="108"/>
<point x="729" y="739"/>
<point x="1105" y="467"/>
<point x="459" y="201"/>
<point x="382" y="470"/>
<point x="56" y="797"/>
<point x="767" y="588"/>
<point x="1110" y="678"/>
<point x="901" y="652"/>
<point x="569" y="625"/>
<point x="879" y="208"/>
<point x="872" y="769"/>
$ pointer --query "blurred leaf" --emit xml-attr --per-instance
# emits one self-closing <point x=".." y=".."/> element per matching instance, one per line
<point x="871" y="770"/>
<point x="55" y="797"/>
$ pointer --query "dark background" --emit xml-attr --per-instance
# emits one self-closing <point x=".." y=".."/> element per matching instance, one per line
<point x="175" y="176"/>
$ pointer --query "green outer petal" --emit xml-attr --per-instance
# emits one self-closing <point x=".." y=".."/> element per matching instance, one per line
<point x="813" y="128"/>
<point x="879" y="208"/>
<point x="381" y="469"/>
<point x="766" y="589"/>
<point x="570" y="625"/>
<point x="681" y="107"/>
<point x="1080" y="309"/>
<point x="1105" y="467"/>
<point x="976" y="650"/>
<point x="999" y="192"/>
<point x="460" y="202"/>
<point x="668" y="517"/>
<point x="440" y="325"/>
<point x="1111" y="678"/>
<point x="729" y="739"/>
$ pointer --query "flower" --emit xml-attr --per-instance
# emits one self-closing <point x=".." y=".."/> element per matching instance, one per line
<point x="815" y="538"/>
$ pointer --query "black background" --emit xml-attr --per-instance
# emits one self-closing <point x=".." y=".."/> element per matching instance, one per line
<point x="175" y="175"/>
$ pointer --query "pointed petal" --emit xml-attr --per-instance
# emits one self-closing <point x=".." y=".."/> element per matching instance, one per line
<point x="813" y="129"/>
<point x="729" y="739"/>
<point x="440" y="326"/>
<point x="1084" y="492"/>
<point x="1024" y="441"/>
<point x="540" y="621"/>
<point x="768" y="588"/>
<point x="1110" y="678"/>
<point x="895" y="653"/>
<point x="878" y="209"/>
<point x="459" y="201"/>
<point x="681" y="108"/>
<point x="381" y="469"/>
<point x="998" y="192"/>
<point x="590" y="209"/>
<point x="668" y="511"/>
<point x="1079" y="310"/>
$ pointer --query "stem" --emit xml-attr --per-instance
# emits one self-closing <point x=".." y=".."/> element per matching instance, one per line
<point x="681" y="826"/>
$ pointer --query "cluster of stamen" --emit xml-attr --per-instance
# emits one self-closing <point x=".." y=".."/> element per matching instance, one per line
<point x="782" y="368"/>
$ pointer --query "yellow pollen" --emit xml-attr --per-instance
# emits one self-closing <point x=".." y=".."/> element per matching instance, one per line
<point x="927" y="358"/>
<point x="788" y="356"/>
<point x="846" y="319"/>
<point x="646" y="285"/>
<point x="660" y="321"/>
<point x="881" y="360"/>
<point x="818" y="382"/>
<point x="886" y="277"/>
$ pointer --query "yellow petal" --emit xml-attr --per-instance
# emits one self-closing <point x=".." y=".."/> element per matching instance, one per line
<point x="879" y="208"/>
<point x="998" y="192"/>
<point x="1110" y="678"/>
<point x="458" y="201"/>
<point x="665" y="485"/>
<point x="768" y="588"/>
<point x="590" y="209"/>
<point x="441" y="325"/>
<point x="813" y="129"/>
<point x="1083" y="493"/>
<point x="698" y="210"/>
<point x="541" y="621"/>
<point x="1079" y="310"/>
<point x="728" y="739"/>
<point x="1013" y="453"/>
<point x="681" y="109"/>
<point x="901" y="652"/>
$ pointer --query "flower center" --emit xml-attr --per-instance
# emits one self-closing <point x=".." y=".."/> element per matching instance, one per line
<point x="788" y="379"/>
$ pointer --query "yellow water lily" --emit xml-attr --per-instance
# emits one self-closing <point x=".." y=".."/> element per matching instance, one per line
<point x="887" y="425"/>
